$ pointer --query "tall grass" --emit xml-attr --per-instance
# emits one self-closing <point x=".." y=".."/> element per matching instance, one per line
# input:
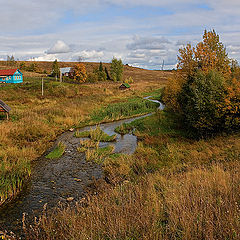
<point x="119" y="110"/>
<point x="202" y="204"/>
<point x="170" y="188"/>
<point x="97" y="135"/>
<point x="36" y="120"/>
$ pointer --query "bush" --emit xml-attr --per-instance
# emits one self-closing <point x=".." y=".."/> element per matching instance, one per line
<point x="200" y="99"/>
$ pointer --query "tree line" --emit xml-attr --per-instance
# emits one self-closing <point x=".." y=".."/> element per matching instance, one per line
<point x="79" y="73"/>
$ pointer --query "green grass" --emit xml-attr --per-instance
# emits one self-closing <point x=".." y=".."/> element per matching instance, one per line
<point x="132" y="107"/>
<point x="163" y="122"/>
<point x="155" y="93"/>
<point x="84" y="134"/>
<point x="97" y="135"/>
<point x="98" y="155"/>
<point x="11" y="182"/>
<point x="57" y="152"/>
<point x="124" y="128"/>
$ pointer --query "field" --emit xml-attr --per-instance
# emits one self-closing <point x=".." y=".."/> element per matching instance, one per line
<point x="36" y="120"/>
<point x="172" y="187"/>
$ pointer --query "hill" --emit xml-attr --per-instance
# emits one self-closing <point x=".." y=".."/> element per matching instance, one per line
<point x="138" y="74"/>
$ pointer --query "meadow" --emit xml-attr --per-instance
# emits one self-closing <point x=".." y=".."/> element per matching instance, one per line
<point x="36" y="120"/>
<point x="172" y="187"/>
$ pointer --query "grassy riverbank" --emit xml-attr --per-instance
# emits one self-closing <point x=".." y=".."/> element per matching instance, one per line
<point x="36" y="120"/>
<point x="172" y="187"/>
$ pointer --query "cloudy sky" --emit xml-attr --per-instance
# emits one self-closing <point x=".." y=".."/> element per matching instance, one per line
<point x="142" y="33"/>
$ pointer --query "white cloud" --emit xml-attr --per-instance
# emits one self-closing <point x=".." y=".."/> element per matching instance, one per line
<point x="59" y="47"/>
<point x="157" y="37"/>
<point x="46" y="57"/>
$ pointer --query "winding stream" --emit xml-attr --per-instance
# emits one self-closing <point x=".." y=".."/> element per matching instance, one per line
<point x="54" y="181"/>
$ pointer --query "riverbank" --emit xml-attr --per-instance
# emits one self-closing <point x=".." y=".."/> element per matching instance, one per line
<point x="36" y="121"/>
<point x="172" y="187"/>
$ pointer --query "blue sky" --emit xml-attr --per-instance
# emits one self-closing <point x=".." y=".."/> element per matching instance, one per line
<point x="141" y="33"/>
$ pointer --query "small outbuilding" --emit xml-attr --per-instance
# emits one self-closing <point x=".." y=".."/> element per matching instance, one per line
<point x="11" y="76"/>
<point x="65" y="71"/>
<point x="4" y="108"/>
<point x="124" y="86"/>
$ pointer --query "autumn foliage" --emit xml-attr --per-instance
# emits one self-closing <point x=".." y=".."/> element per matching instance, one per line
<point x="80" y="73"/>
<point x="206" y="88"/>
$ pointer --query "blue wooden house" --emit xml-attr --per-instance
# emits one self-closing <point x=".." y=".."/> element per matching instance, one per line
<point x="11" y="76"/>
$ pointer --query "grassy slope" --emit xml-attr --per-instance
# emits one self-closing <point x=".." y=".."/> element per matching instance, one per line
<point x="137" y="74"/>
<point x="36" y="120"/>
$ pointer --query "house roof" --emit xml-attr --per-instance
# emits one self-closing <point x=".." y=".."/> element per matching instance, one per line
<point x="4" y="106"/>
<point x="65" y="70"/>
<point x="126" y="85"/>
<point x="7" y="72"/>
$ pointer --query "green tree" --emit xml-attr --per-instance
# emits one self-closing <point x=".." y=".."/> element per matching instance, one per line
<point x="200" y="99"/>
<point x="100" y="73"/>
<point x="107" y="74"/>
<point x="116" y="69"/>
<point x="100" y="69"/>
<point x="206" y="89"/>
<point x="55" y="69"/>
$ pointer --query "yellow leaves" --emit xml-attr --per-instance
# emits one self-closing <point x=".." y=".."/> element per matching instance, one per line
<point x="208" y="55"/>
<point x="80" y="73"/>
<point x="172" y="90"/>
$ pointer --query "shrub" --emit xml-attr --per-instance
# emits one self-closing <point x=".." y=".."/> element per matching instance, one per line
<point x="200" y="99"/>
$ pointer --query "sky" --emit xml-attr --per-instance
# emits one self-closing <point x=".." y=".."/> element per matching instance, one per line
<point x="142" y="33"/>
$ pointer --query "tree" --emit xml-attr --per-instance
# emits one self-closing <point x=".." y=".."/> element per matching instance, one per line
<point x="10" y="60"/>
<point x="101" y="75"/>
<point x="107" y="74"/>
<point x="199" y="101"/>
<point x="116" y="69"/>
<point x="79" y="73"/>
<point x="205" y="89"/>
<point x="55" y="69"/>
<point x="209" y="54"/>
<point x="100" y="69"/>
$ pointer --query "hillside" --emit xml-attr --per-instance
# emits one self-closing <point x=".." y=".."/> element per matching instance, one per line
<point x="138" y="74"/>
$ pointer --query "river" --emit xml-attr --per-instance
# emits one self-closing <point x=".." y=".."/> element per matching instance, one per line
<point x="55" y="181"/>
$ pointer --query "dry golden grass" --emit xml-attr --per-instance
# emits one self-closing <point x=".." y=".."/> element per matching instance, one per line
<point x="137" y="74"/>
<point x="170" y="188"/>
<point x="200" y="204"/>
<point x="36" y="121"/>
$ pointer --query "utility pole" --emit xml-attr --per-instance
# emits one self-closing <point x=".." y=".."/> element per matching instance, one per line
<point x="162" y="64"/>
<point x="60" y="76"/>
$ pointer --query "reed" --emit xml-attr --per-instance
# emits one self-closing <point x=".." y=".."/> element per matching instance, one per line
<point x="97" y="135"/>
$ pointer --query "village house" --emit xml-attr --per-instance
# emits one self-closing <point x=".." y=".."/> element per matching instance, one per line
<point x="65" y="71"/>
<point x="11" y="76"/>
<point x="124" y="86"/>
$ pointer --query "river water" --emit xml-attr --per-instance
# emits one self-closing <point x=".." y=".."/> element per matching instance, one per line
<point x="54" y="181"/>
